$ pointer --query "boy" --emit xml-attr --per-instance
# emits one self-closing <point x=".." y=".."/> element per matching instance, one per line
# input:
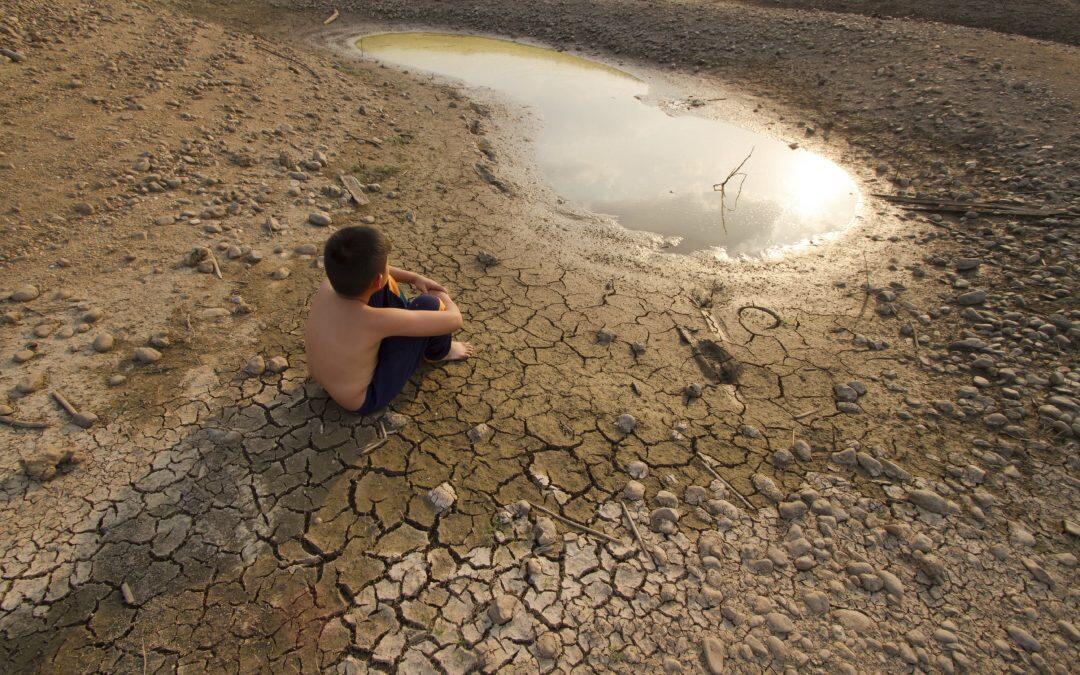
<point x="364" y="338"/>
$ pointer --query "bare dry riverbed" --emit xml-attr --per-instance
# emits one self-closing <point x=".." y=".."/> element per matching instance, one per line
<point x="857" y="458"/>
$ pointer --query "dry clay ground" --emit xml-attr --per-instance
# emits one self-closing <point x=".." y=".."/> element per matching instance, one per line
<point x="888" y="485"/>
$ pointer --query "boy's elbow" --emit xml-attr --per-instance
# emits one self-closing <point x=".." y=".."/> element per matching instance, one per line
<point x="458" y="322"/>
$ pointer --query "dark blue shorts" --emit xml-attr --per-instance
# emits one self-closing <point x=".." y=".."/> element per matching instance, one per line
<point x="400" y="356"/>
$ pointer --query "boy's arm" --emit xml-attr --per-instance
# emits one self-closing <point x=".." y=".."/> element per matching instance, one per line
<point x="417" y="281"/>
<point x="419" y="322"/>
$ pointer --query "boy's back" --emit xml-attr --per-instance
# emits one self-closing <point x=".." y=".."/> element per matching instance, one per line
<point x="364" y="338"/>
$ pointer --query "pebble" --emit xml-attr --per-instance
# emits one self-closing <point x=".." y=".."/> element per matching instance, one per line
<point x="481" y="433"/>
<point x="713" y="651"/>
<point x="765" y="485"/>
<point x="1022" y="637"/>
<point x="25" y="293"/>
<point x="104" y="342"/>
<point x="255" y="366"/>
<point x="548" y="646"/>
<point x="929" y="500"/>
<point x="30" y="383"/>
<point x="545" y="532"/>
<point x="442" y="497"/>
<point x="146" y="355"/>
<point x="22" y="356"/>
<point x="45" y="461"/>
<point x="626" y="423"/>
<point x="634" y="491"/>
<point x="278" y="364"/>
<point x="320" y="218"/>
<point x="116" y="380"/>
<point x="280" y="274"/>
<point x="637" y="469"/>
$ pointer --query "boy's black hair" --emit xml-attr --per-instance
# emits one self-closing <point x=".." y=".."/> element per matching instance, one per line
<point x="353" y="257"/>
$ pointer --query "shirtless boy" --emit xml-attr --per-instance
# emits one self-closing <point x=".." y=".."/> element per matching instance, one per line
<point x="364" y="338"/>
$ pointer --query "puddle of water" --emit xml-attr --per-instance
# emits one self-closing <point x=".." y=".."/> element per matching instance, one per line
<point x="602" y="148"/>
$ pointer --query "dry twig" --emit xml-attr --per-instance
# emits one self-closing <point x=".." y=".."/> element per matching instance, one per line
<point x="574" y="523"/>
<point x="332" y="18"/>
<point x="637" y="534"/>
<point x="721" y="187"/>
<point x="287" y="58"/>
<point x="717" y="476"/>
<point x="22" y="424"/>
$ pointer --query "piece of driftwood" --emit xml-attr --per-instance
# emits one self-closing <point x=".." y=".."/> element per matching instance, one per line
<point x="352" y="185"/>
<point x="721" y="187"/>
<point x="332" y="18"/>
<point x="986" y="208"/>
<point x="288" y="58"/>
<point x="709" y="467"/>
<point x="574" y="523"/>
<point x="637" y="533"/>
<point x="22" y="424"/>
<point x="83" y="420"/>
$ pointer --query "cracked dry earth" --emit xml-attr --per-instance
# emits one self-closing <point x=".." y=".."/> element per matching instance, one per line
<point x="888" y="483"/>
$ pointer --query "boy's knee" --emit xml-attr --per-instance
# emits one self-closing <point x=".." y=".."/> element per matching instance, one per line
<point x="426" y="302"/>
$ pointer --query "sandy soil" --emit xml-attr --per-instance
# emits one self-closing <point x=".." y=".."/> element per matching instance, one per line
<point x="889" y="483"/>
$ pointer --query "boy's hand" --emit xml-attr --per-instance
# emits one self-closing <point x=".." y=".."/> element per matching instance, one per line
<point x="425" y="285"/>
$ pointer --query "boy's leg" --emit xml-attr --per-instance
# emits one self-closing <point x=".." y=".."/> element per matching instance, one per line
<point x="399" y="357"/>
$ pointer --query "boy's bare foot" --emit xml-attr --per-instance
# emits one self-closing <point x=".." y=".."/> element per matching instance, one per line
<point x="459" y="351"/>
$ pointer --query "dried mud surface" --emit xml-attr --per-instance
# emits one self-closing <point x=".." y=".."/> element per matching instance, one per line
<point x="889" y="484"/>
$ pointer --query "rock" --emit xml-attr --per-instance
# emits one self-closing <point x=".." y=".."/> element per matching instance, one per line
<point x="893" y="585"/>
<point x="855" y="621"/>
<point x="625" y="423"/>
<point x="767" y="488"/>
<point x="967" y="264"/>
<point x="692" y="390"/>
<point x="667" y="498"/>
<point x="779" y="623"/>
<point x="695" y="495"/>
<point x="395" y="421"/>
<point x="1019" y="535"/>
<point x="637" y="469"/>
<point x="30" y="383"/>
<point x="128" y="596"/>
<point x="604" y="337"/>
<point x="319" y="218"/>
<point x="544" y="532"/>
<point x="255" y="366"/>
<point x="84" y="208"/>
<point x="976" y="297"/>
<point x="23" y="355"/>
<point x="481" y="433"/>
<point x="307" y="249"/>
<point x="47" y="460"/>
<point x="548" y="646"/>
<point x="802" y="450"/>
<point x="104" y="342"/>
<point x="116" y="380"/>
<point x="146" y="355"/>
<point x="486" y="259"/>
<point x="713" y="651"/>
<point x="792" y="510"/>
<point x="278" y="364"/>
<point x="502" y="609"/>
<point x="634" y="491"/>
<point x="1022" y="637"/>
<point x="442" y="497"/>
<point x="25" y="293"/>
<point x="929" y="500"/>
<point x="280" y="274"/>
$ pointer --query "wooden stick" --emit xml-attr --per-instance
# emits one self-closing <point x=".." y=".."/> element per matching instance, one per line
<point x="574" y="523"/>
<point x="915" y="337"/>
<point x="333" y="17"/>
<point x="64" y="403"/>
<point x="287" y="58"/>
<point x="808" y="413"/>
<point x="717" y="476"/>
<point x="214" y="262"/>
<point x="23" y="424"/>
<point x="353" y="187"/>
<point x="637" y="534"/>
<point x="371" y="447"/>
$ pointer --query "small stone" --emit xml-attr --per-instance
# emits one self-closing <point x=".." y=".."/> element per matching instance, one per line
<point x="792" y="510"/>
<point x="855" y="621"/>
<point x="604" y="336"/>
<point x="104" y="342"/>
<point x="765" y="485"/>
<point x="637" y="469"/>
<point x="545" y="532"/>
<point x="46" y="461"/>
<point x="802" y="450"/>
<point x="395" y="421"/>
<point x="929" y="500"/>
<point x="976" y="297"/>
<point x="442" y="497"/>
<point x="280" y="274"/>
<point x="626" y="423"/>
<point x="30" y="383"/>
<point x="22" y="356"/>
<point x="1022" y="637"/>
<point x="692" y="390"/>
<point x="116" y="380"/>
<point x="84" y="208"/>
<point x="255" y="366"/>
<point x="25" y="293"/>
<point x="502" y="609"/>
<point x="486" y="259"/>
<point x="481" y="433"/>
<point x="146" y="355"/>
<point x="695" y="495"/>
<point x="667" y="498"/>
<point x="548" y="646"/>
<point x="306" y="249"/>
<point x="634" y="491"/>
<point x="129" y="597"/>
<point x="320" y="218"/>
<point x="713" y="651"/>
<point x="278" y="364"/>
<point x="779" y="623"/>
